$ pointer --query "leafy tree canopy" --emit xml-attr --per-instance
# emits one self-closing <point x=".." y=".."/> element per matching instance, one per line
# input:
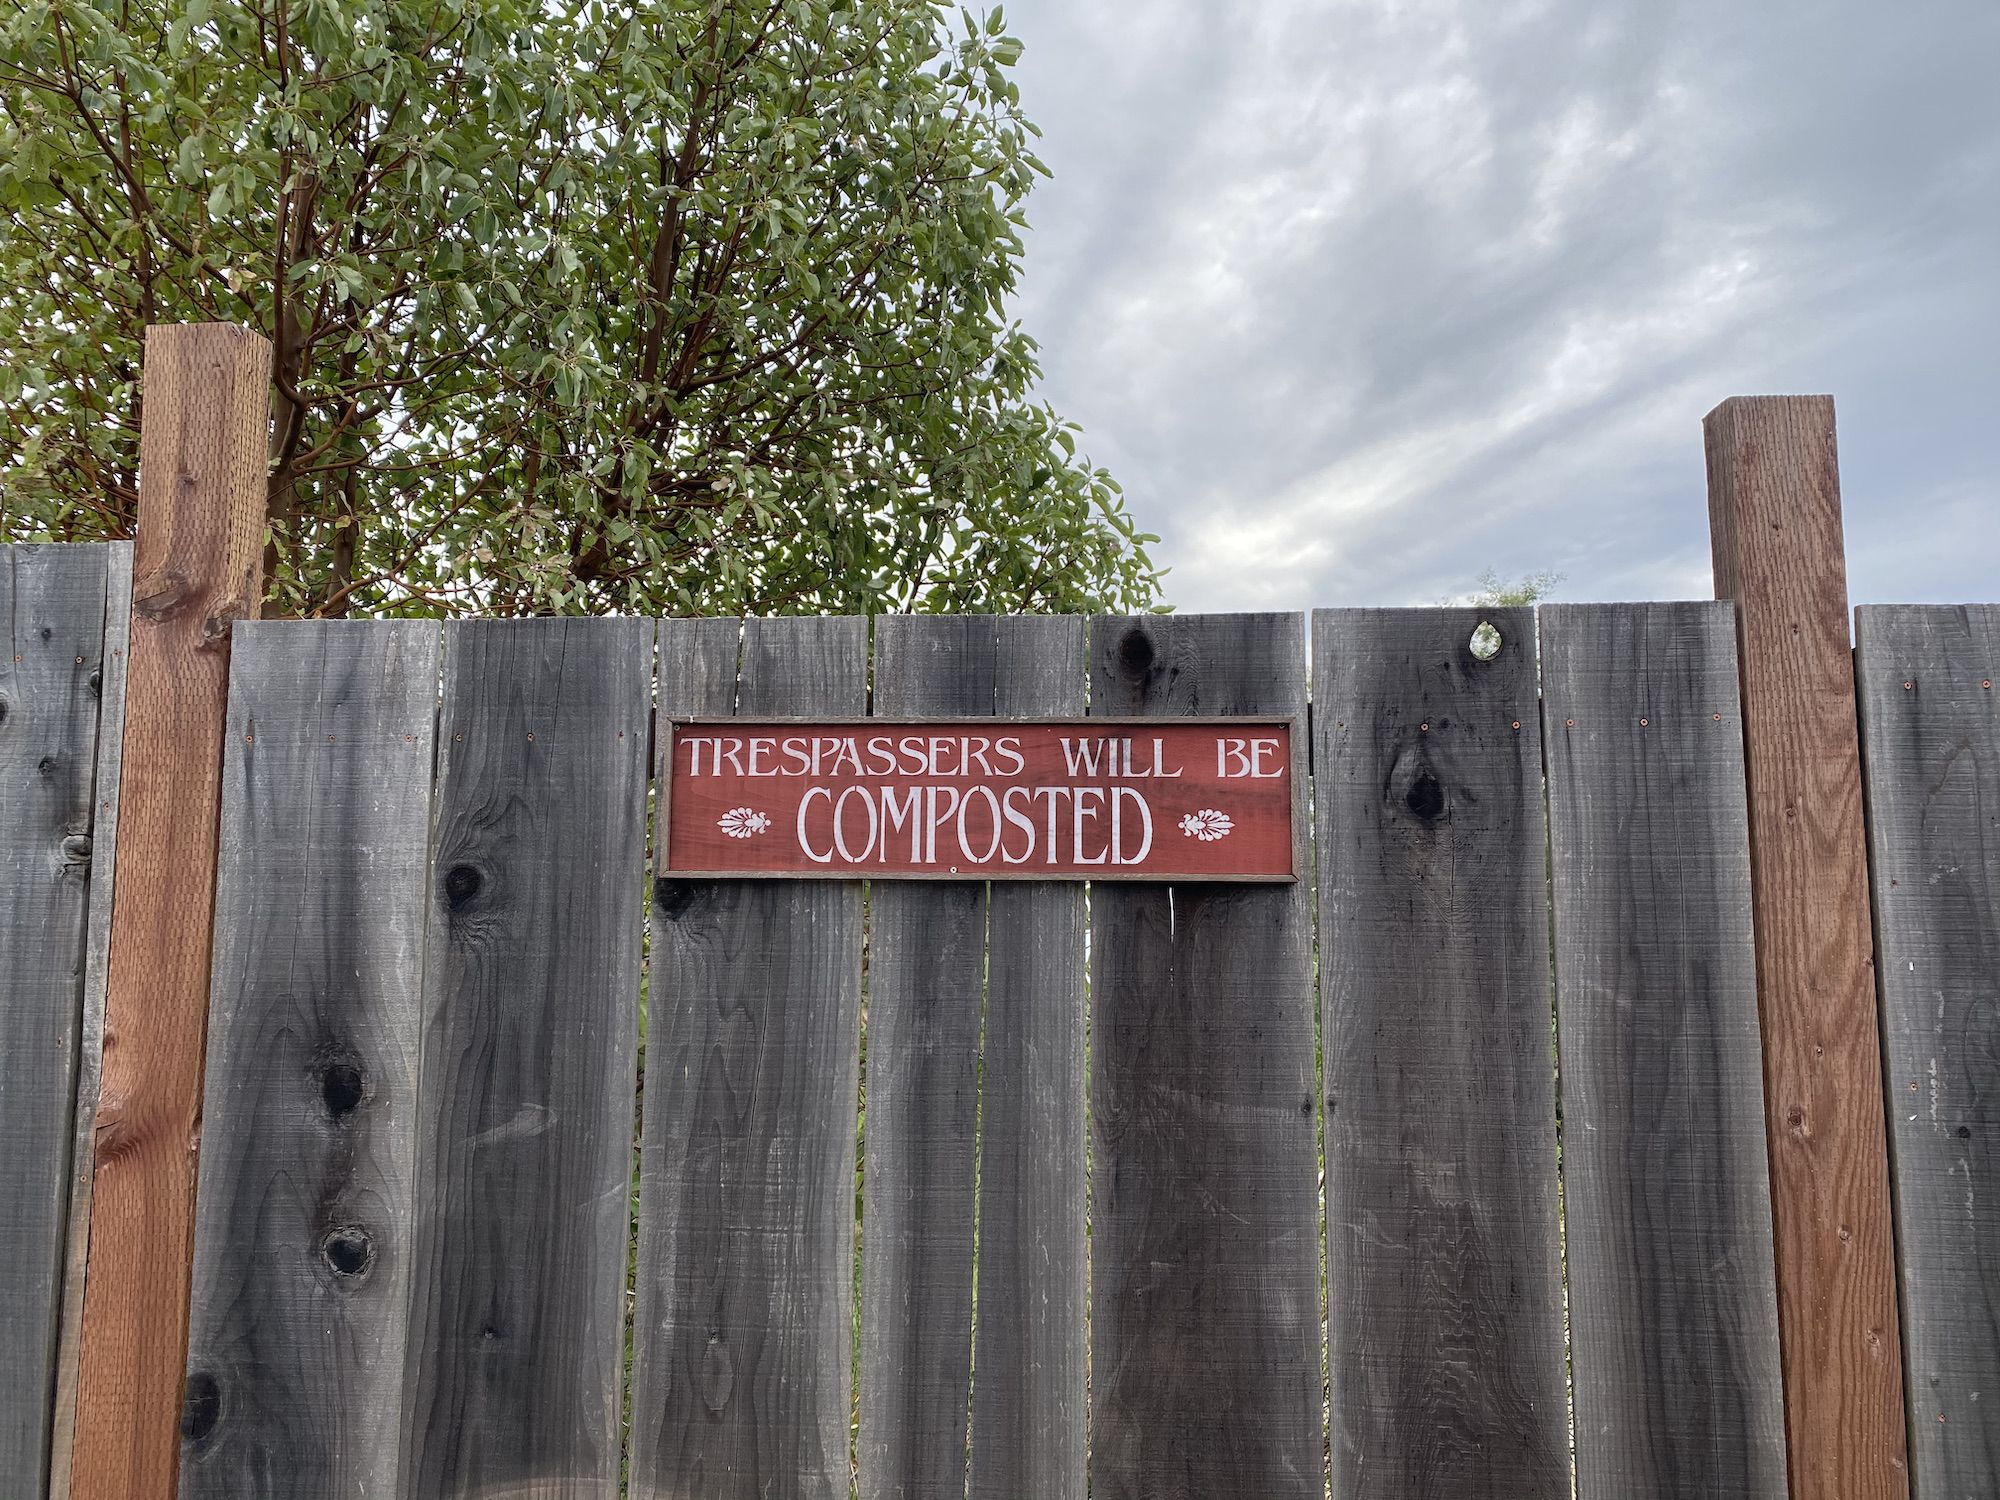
<point x="1530" y="588"/>
<point x="698" y="305"/>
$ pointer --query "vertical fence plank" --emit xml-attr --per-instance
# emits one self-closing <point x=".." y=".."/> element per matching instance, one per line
<point x="1672" y="1300"/>
<point x="1930" y="717"/>
<point x="944" y="956"/>
<point x="744" y="1334"/>
<point x="51" y="649"/>
<point x="1774" y="516"/>
<point x="927" y="983"/>
<point x="1028" y="1409"/>
<point x="1443" y="1270"/>
<point x="97" y="964"/>
<point x="531" y="992"/>
<point x="196" y="569"/>
<point x="1205" y="1370"/>
<point x="302" y="1229"/>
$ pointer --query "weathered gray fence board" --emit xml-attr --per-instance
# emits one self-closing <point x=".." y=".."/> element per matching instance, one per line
<point x="1206" y="1367"/>
<point x="1446" y="1339"/>
<point x="945" y="957"/>
<point x="303" y="1223"/>
<point x="97" y="967"/>
<point x="51" y="644"/>
<point x="926" y="994"/>
<point x="1028" y="1408"/>
<point x="531" y="988"/>
<point x="1931" y="751"/>
<point x="1672" y="1298"/>
<point x="744" y="1334"/>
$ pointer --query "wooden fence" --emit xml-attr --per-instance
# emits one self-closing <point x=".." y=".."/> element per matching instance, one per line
<point x="1449" y="1170"/>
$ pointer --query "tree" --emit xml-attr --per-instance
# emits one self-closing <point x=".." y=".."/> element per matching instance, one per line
<point x="698" y="306"/>
<point x="1529" y="588"/>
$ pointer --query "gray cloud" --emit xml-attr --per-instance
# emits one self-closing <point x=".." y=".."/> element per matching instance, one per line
<point x="1361" y="297"/>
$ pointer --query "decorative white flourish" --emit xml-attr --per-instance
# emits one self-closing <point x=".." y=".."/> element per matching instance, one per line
<point x="1208" y="825"/>
<point x="743" y="822"/>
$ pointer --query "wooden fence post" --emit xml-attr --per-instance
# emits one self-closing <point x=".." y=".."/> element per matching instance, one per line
<point x="1774" y="516"/>
<point x="197" y="567"/>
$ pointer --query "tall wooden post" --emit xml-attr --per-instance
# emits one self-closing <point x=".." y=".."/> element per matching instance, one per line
<point x="197" y="567"/>
<point x="1774" y="516"/>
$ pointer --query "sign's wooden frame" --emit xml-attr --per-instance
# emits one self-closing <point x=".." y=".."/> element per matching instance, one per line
<point x="667" y="726"/>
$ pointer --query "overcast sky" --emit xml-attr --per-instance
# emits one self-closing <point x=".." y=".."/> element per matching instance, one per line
<point x="1358" y="298"/>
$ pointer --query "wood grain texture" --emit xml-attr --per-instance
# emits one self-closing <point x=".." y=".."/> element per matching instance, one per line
<point x="926" y="998"/>
<point x="1028" y="1403"/>
<point x="1204" y="1290"/>
<point x="1443" y="1272"/>
<point x="744" y="1338"/>
<point x="531" y="994"/>
<point x="955" y="964"/>
<point x="196" y="569"/>
<point x="97" y="966"/>
<point x="304" y="1216"/>
<point x="1672" y="1299"/>
<point x="1774" y="520"/>
<point x="51" y="650"/>
<point x="1931" y="738"/>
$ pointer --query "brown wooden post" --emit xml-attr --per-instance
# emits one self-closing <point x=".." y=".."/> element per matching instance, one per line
<point x="1774" y="517"/>
<point x="197" y="567"/>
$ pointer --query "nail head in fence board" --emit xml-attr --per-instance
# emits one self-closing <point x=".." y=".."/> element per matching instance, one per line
<point x="196" y="569"/>
<point x="1443" y="1268"/>
<point x="1774" y="519"/>
<point x="302" y="1229"/>
<point x="1933" y="768"/>
<point x="744" y="1333"/>
<point x="1672" y="1300"/>
<point x="97" y="963"/>
<point x="1028" y="1405"/>
<point x="1206" y="1381"/>
<point x="51" y="647"/>
<point x="926" y="992"/>
<point x="524" y="1108"/>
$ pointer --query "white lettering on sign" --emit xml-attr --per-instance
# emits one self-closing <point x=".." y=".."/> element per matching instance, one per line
<point x="1021" y="799"/>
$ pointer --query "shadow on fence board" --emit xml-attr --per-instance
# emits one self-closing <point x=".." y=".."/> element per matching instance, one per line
<point x="429" y="1003"/>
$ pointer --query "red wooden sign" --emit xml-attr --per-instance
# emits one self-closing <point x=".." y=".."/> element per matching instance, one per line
<point x="1155" y="799"/>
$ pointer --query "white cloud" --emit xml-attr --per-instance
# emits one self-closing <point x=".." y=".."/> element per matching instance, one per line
<point x="1361" y="297"/>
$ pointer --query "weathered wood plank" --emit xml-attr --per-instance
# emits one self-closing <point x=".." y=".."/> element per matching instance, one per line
<point x="1930" y="716"/>
<point x="1443" y="1272"/>
<point x="948" y="957"/>
<point x="1029" y="1417"/>
<point x="531" y="993"/>
<point x="1205" y="1366"/>
<point x="303" y="1225"/>
<point x="196" y="569"/>
<point x="1672" y="1299"/>
<point x="1774" y="521"/>
<point x="97" y="966"/>
<point x="926" y="995"/>
<point x="744" y="1335"/>
<point x="51" y="648"/>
